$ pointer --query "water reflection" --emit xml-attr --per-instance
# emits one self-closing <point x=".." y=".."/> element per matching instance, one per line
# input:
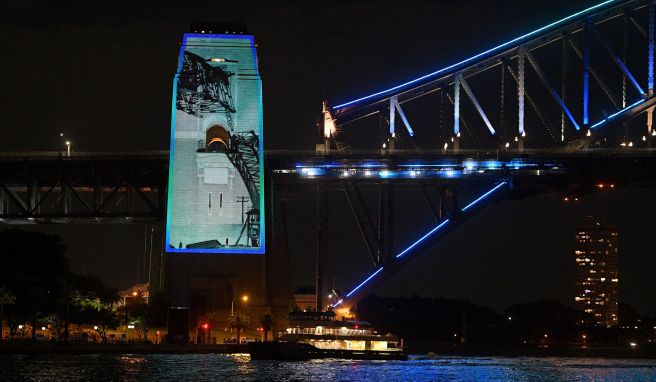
<point x="239" y="367"/>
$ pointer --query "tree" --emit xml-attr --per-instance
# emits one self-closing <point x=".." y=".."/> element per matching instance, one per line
<point x="37" y="276"/>
<point x="267" y="324"/>
<point x="7" y="297"/>
<point x="142" y="315"/>
<point x="238" y="321"/>
<point x="104" y="319"/>
<point x="90" y="302"/>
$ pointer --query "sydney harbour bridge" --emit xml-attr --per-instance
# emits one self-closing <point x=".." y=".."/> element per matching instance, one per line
<point x="567" y="107"/>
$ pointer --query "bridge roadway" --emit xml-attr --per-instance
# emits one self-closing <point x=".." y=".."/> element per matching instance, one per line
<point x="131" y="186"/>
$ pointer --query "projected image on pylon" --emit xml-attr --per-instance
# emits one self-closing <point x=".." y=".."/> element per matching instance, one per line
<point x="215" y="175"/>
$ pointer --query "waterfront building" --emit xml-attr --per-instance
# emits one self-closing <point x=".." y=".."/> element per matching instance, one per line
<point x="597" y="279"/>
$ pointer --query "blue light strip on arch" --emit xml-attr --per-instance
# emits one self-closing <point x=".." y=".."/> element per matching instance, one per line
<point x="431" y="232"/>
<point x="497" y="48"/>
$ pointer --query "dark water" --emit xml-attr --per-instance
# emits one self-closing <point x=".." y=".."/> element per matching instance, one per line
<point x="216" y="367"/>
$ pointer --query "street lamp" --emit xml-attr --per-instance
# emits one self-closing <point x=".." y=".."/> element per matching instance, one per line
<point x="244" y="298"/>
<point x="68" y="148"/>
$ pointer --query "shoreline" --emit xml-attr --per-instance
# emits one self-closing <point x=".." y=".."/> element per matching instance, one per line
<point x="417" y="350"/>
<point x="99" y="348"/>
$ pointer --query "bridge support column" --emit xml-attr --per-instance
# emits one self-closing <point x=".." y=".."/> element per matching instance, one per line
<point x="385" y="223"/>
<point x="3" y="202"/>
<point x="586" y="71"/>
<point x="563" y="84"/>
<point x="521" y="65"/>
<point x="392" y="124"/>
<point x="650" y="130"/>
<point x="321" y="241"/>
<point x="456" y="112"/>
<point x="650" y="60"/>
<point x="33" y="198"/>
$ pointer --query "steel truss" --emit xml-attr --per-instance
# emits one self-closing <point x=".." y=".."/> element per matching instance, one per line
<point x="586" y="34"/>
<point x="449" y="189"/>
<point x="56" y="188"/>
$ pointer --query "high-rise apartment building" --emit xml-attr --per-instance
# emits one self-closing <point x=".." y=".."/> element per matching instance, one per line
<point x="597" y="271"/>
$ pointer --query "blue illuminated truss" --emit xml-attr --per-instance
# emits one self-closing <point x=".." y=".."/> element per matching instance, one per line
<point x="616" y="114"/>
<point x="439" y="226"/>
<point x="364" y="282"/>
<point x="471" y="60"/>
<point x="485" y="195"/>
<point x="424" y="237"/>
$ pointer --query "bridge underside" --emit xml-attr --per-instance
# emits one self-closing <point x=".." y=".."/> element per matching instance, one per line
<point x="95" y="187"/>
<point x="451" y="189"/>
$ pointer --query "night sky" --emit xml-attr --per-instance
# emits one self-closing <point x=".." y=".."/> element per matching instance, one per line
<point x="101" y="72"/>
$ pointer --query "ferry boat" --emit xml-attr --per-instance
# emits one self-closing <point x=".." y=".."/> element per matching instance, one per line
<point x="313" y="335"/>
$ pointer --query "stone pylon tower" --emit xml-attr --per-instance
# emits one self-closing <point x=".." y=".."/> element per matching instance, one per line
<point x="218" y="261"/>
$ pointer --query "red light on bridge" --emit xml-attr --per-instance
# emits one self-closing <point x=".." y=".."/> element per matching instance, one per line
<point x="205" y="326"/>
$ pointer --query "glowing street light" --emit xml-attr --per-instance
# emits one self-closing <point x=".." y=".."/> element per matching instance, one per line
<point x="244" y="298"/>
<point x="68" y="148"/>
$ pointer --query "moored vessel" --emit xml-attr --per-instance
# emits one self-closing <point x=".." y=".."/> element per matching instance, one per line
<point x="313" y="335"/>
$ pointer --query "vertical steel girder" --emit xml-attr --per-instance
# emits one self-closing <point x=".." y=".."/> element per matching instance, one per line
<point x="456" y="104"/>
<point x="321" y="244"/>
<point x="650" y="58"/>
<point x="650" y="120"/>
<point x="521" y="78"/>
<point x="364" y="222"/>
<point x="386" y="223"/>
<point x="3" y="201"/>
<point x="464" y="124"/>
<point x="587" y="24"/>
<point x="625" y="49"/>
<point x="443" y="118"/>
<point x="563" y="84"/>
<point x="436" y="210"/>
<point x="502" y="105"/>
<point x="596" y="76"/>
<point x="392" y="120"/>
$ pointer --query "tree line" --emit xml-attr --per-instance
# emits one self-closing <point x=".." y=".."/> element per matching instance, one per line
<point x="38" y="288"/>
